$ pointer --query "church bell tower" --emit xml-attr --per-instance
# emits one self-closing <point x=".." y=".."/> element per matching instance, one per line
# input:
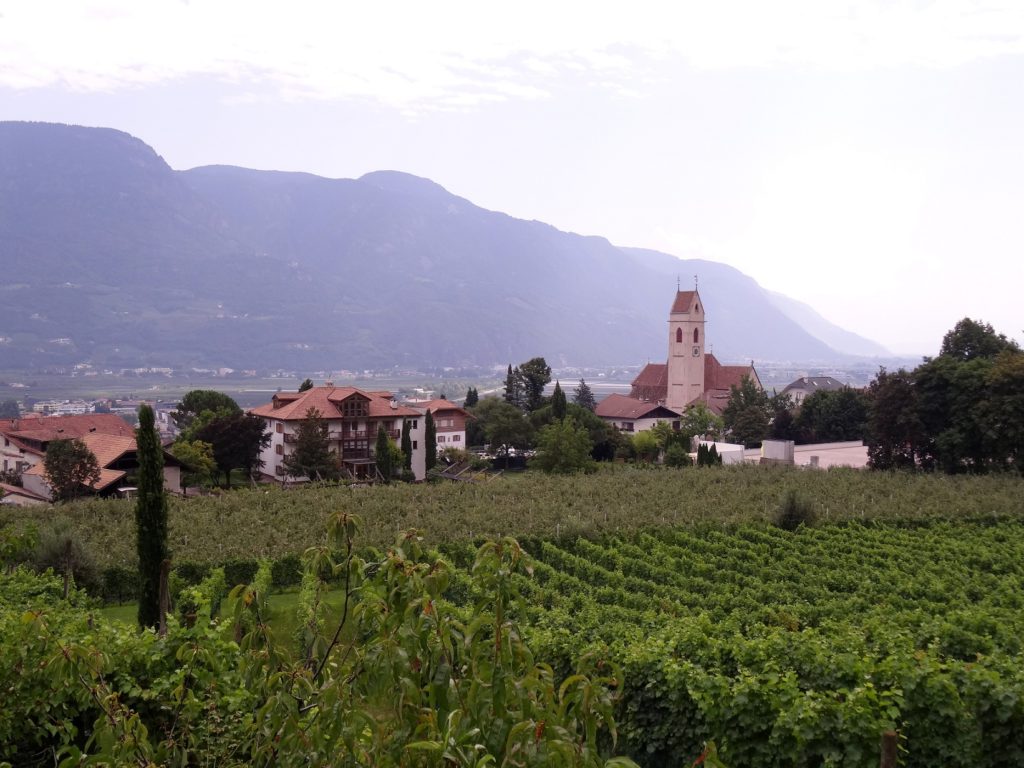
<point x="685" y="350"/>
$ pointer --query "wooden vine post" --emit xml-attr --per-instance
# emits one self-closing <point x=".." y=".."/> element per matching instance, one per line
<point x="888" y="750"/>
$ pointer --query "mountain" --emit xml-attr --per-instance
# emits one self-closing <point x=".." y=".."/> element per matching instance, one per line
<point x="838" y="338"/>
<point x="111" y="256"/>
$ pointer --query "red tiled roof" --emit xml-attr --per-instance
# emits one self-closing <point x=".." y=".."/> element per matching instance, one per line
<point x="327" y="401"/>
<point x="440" y="404"/>
<point x="652" y="382"/>
<point x="45" y="428"/>
<point x="683" y="301"/>
<point x="617" y="406"/>
<point x="17" y="490"/>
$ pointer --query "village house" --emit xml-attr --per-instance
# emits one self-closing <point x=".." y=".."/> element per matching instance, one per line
<point x="808" y="385"/>
<point x="353" y="418"/>
<point x="118" y="460"/>
<point x="23" y="440"/>
<point x="449" y="422"/>
<point x="689" y="376"/>
<point x="631" y="415"/>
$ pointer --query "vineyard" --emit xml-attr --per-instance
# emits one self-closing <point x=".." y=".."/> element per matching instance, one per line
<point x="800" y="648"/>
<point x="901" y="607"/>
<point x="271" y="522"/>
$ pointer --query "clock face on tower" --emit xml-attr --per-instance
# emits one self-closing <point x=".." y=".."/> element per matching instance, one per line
<point x="696" y="351"/>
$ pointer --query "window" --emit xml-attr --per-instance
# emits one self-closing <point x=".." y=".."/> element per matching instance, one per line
<point x="456" y="438"/>
<point x="679" y="335"/>
<point x="696" y="335"/>
<point x="440" y="438"/>
<point x="279" y="427"/>
<point x="415" y="444"/>
<point x="279" y="449"/>
<point x="354" y="407"/>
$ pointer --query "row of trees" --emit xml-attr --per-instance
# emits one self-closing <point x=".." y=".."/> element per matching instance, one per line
<point x="962" y="411"/>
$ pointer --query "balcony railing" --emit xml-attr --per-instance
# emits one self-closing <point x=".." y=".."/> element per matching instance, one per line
<point x="289" y="438"/>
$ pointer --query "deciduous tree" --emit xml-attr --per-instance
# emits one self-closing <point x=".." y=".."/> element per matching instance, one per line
<point x="199" y="401"/>
<point x="748" y="413"/>
<point x="237" y="439"/>
<point x="894" y="429"/>
<point x="197" y="458"/>
<point x="536" y="374"/>
<point x="9" y="409"/>
<point x="70" y="467"/>
<point x="563" y="447"/>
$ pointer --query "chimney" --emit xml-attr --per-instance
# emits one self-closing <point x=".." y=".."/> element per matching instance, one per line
<point x="328" y="383"/>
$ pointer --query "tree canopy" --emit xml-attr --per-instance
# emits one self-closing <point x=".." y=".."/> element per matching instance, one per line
<point x="199" y="402"/>
<point x="748" y="413"/>
<point x="70" y="467"/>
<point x="312" y="457"/>
<point x="237" y="440"/>
<point x="563" y="447"/>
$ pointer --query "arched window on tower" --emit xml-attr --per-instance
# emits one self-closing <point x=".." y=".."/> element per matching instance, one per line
<point x="679" y="335"/>
<point x="696" y="335"/>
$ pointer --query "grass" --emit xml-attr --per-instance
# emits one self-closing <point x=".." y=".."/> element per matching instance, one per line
<point x="281" y="616"/>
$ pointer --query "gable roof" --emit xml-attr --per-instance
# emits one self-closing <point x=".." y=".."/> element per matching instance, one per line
<point x="440" y="404"/>
<point x="617" y="406"/>
<point x="292" y="406"/>
<point x="45" y="428"/>
<point x="814" y="384"/>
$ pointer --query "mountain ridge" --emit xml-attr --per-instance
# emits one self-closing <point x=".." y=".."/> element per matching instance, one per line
<point x="253" y="269"/>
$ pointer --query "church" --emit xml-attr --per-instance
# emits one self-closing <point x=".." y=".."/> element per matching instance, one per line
<point x="689" y="376"/>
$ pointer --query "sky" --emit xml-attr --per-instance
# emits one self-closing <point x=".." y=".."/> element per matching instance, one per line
<point x="866" y="158"/>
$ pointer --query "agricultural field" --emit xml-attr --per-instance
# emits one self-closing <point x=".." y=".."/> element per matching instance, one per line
<point x="268" y="522"/>
<point x="900" y="606"/>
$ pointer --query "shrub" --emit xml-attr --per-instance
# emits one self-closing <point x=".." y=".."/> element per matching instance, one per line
<point x="676" y="456"/>
<point x="794" y="512"/>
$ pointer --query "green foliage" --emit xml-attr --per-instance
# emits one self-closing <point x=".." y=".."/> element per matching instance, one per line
<point x="306" y="385"/>
<point x="959" y="412"/>
<point x="430" y="441"/>
<point x="311" y="456"/>
<point x="559" y="404"/>
<point x="832" y="416"/>
<point x="202" y="401"/>
<point x="894" y="428"/>
<point x="60" y="550"/>
<point x="406" y="445"/>
<point x="676" y="456"/>
<point x="700" y="421"/>
<point x="70" y="468"/>
<point x="583" y="396"/>
<point x="150" y="518"/>
<point x="504" y="425"/>
<point x="382" y="454"/>
<point x="237" y="440"/>
<point x="563" y="447"/>
<point x="748" y="413"/>
<point x="536" y="374"/>
<point x="794" y="512"/>
<point x="199" y="464"/>
<point x="645" y="446"/>
<point x="470" y="691"/>
<point x="472" y="397"/>
<point x="707" y="456"/>
<point x="973" y="339"/>
<point x="9" y="409"/>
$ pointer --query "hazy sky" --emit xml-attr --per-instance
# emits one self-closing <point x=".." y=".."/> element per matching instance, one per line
<point x="867" y="158"/>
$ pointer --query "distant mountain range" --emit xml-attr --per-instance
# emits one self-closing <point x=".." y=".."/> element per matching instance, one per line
<point x="110" y="256"/>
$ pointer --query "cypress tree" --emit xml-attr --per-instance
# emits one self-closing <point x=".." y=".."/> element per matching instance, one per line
<point x="406" y="445"/>
<point x="472" y="397"/>
<point x="150" y="518"/>
<point x="430" y="438"/>
<point x="558" y="402"/>
<point x="383" y="454"/>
